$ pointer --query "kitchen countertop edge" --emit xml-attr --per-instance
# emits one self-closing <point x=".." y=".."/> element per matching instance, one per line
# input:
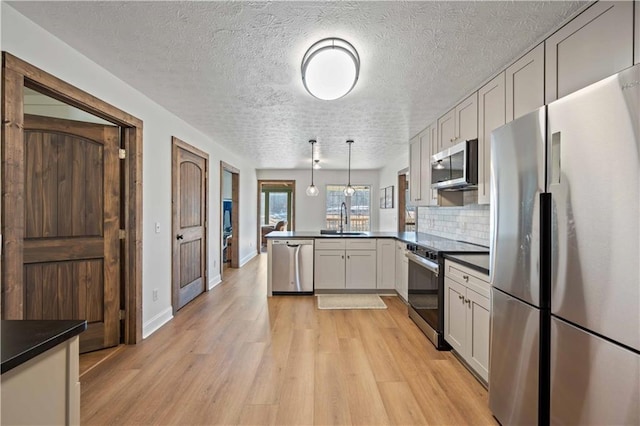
<point x="23" y="340"/>
<point x="407" y="237"/>
<point x="476" y="261"/>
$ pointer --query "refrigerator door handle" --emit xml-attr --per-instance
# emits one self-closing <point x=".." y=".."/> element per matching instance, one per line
<point x="556" y="170"/>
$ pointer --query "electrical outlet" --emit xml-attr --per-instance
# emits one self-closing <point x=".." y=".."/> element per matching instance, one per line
<point x="155" y="294"/>
<point x="157" y="227"/>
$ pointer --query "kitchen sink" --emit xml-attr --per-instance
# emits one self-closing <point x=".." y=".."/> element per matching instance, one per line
<point x="337" y="232"/>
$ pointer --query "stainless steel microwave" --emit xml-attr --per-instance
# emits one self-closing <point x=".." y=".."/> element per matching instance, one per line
<point x="456" y="168"/>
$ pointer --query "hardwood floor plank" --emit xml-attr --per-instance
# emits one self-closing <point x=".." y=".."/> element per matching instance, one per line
<point x="234" y="356"/>
<point x="401" y="405"/>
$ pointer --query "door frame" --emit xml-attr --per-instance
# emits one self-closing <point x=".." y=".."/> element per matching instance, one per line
<point x="175" y="284"/>
<point x="17" y="74"/>
<point x="261" y="182"/>
<point x="235" y="215"/>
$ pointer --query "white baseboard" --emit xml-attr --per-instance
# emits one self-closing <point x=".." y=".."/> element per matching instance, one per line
<point x="156" y="322"/>
<point x="214" y="282"/>
<point x="247" y="258"/>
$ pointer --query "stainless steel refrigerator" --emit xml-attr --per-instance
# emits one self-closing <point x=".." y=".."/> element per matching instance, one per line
<point x="565" y="260"/>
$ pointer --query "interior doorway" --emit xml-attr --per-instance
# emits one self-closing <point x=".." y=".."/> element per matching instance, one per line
<point x="406" y="210"/>
<point x="109" y="227"/>
<point x="276" y="208"/>
<point x="229" y="216"/>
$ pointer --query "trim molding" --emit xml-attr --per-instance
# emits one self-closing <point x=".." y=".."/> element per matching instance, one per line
<point x="247" y="258"/>
<point x="213" y="282"/>
<point x="156" y="322"/>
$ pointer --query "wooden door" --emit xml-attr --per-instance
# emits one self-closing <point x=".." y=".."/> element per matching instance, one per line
<point x="189" y="223"/>
<point x="71" y="251"/>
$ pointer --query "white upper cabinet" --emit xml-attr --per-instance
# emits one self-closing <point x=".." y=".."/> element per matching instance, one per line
<point x="491" y="115"/>
<point x="433" y="149"/>
<point x="420" y="168"/>
<point x="594" y="45"/>
<point x="525" y="84"/>
<point x="459" y="124"/>
<point x="447" y="130"/>
<point x="414" y="170"/>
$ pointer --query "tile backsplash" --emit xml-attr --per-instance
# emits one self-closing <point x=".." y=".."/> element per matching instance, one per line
<point x="468" y="223"/>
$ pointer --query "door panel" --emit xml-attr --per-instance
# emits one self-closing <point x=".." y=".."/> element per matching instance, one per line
<point x="593" y="381"/>
<point x="519" y="149"/>
<point x="71" y="247"/>
<point x="514" y="360"/>
<point x="596" y="245"/>
<point x="189" y="248"/>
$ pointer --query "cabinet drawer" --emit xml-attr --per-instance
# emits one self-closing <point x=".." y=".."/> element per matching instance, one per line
<point x="330" y="244"/>
<point x="468" y="277"/>
<point x="361" y="244"/>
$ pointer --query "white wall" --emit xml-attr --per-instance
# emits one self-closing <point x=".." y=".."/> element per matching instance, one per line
<point x="227" y="185"/>
<point x="310" y="211"/>
<point x="26" y="40"/>
<point x="388" y="177"/>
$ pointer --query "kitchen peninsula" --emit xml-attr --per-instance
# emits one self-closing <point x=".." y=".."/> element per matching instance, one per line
<point x="40" y="383"/>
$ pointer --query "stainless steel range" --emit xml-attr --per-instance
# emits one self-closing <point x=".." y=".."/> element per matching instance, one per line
<point x="426" y="283"/>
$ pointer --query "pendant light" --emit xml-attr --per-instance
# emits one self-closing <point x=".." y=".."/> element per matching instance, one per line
<point x="349" y="190"/>
<point x="312" y="190"/>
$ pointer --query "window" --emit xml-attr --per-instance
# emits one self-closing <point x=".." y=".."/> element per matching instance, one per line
<point x="358" y="207"/>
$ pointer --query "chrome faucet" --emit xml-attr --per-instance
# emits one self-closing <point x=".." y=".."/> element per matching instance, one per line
<point x="346" y="218"/>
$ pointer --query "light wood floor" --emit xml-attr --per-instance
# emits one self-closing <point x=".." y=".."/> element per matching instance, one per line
<point x="234" y="356"/>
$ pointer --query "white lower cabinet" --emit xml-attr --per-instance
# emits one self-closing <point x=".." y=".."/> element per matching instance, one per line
<point x="353" y="266"/>
<point x="402" y="271"/>
<point x="386" y="263"/>
<point x="329" y="269"/>
<point x="467" y="312"/>
<point x="360" y="269"/>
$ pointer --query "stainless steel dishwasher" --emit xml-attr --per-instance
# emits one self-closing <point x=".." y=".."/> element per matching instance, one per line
<point x="292" y="267"/>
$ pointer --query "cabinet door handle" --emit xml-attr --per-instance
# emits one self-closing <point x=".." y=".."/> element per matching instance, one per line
<point x="179" y="237"/>
<point x="461" y="297"/>
<point x="468" y="302"/>
<point x="465" y="277"/>
<point x="343" y="256"/>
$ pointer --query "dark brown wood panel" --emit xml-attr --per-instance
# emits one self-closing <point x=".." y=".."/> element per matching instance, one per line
<point x="94" y="308"/>
<point x="79" y="201"/>
<point x="65" y="291"/>
<point x="49" y="291"/>
<point x="94" y="190"/>
<point x="33" y="285"/>
<point x="64" y="194"/>
<point x="191" y="180"/>
<point x="49" y="187"/>
<point x="59" y="249"/>
<point x="34" y="185"/>
<point x="191" y="262"/>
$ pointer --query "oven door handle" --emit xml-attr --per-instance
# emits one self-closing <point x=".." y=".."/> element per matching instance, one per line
<point x="432" y="266"/>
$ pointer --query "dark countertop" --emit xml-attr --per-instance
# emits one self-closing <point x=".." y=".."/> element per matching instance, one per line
<point x="22" y="340"/>
<point x="477" y="261"/>
<point x="407" y="237"/>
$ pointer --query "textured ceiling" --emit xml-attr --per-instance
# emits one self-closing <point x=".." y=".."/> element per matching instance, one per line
<point x="232" y="69"/>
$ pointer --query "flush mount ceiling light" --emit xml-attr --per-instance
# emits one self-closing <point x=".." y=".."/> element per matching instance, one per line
<point x="312" y="190"/>
<point x="330" y="68"/>
<point x="349" y="190"/>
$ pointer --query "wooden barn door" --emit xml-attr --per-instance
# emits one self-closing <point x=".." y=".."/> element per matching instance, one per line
<point x="71" y="240"/>
<point x="189" y="182"/>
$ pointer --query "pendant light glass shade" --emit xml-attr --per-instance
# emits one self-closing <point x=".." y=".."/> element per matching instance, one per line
<point x="349" y="190"/>
<point x="312" y="190"/>
<point x="330" y="69"/>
